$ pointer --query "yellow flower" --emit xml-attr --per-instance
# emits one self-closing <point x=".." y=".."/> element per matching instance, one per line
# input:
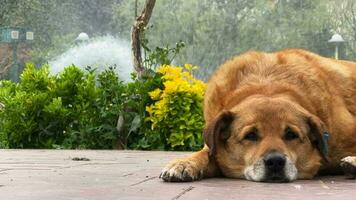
<point x="149" y="109"/>
<point x="175" y="80"/>
<point x="155" y="94"/>
<point x="170" y="86"/>
<point x="169" y="71"/>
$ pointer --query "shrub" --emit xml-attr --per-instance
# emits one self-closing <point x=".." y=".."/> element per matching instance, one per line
<point x="92" y="116"/>
<point x="77" y="109"/>
<point x="135" y="100"/>
<point x="74" y="109"/>
<point x="176" y="114"/>
<point x="23" y="108"/>
<point x="7" y="90"/>
<point x="71" y="110"/>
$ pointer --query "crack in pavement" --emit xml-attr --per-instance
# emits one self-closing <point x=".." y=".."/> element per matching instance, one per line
<point x="147" y="179"/>
<point x="183" y="192"/>
<point x="129" y="174"/>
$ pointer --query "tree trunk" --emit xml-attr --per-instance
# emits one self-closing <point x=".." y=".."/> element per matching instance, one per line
<point x="140" y="23"/>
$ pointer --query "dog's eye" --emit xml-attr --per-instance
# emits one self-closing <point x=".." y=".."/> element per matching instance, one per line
<point x="290" y="134"/>
<point x="251" y="135"/>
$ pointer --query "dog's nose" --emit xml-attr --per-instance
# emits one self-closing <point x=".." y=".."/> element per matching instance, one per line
<point x="274" y="162"/>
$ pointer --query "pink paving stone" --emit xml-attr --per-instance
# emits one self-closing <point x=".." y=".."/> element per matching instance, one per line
<point x="52" y="174"/>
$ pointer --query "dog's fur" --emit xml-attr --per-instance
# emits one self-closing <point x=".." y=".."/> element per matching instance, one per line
<point x="270" y="94"/>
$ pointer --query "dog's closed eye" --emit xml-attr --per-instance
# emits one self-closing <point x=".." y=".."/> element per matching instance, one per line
<point x="290" y="134"/>
<point x="252" y="135"/>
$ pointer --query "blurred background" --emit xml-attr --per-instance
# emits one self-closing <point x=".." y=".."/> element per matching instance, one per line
<point x="212" y="30"/>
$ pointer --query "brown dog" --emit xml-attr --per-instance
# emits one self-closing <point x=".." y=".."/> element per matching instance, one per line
<point x="275" y="117"/>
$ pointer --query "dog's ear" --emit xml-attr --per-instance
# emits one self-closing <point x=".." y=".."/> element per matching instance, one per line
<point x="319" y="136"/>
<point x="218" y="129"/>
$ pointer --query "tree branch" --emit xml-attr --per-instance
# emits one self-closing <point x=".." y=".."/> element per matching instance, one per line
<point x="140" y="23"/>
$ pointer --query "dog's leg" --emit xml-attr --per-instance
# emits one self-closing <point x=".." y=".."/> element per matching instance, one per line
<point x="348" y="164"/>
<point x="192" y="168"/>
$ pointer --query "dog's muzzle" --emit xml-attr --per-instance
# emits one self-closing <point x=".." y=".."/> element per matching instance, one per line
<point x="273" y="167"/>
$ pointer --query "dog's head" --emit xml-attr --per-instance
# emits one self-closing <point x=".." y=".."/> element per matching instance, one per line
<point x="267" y="139"/>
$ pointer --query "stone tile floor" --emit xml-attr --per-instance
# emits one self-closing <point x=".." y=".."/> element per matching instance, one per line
<point x="67" y="174"/>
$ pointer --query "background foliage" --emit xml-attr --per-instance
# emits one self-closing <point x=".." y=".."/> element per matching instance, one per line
<point x="213" y="30"/>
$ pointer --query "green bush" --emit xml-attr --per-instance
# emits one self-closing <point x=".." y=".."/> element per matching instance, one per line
<point x="92" y="114"/>
<point x="23" y="108"/>
<point x="135" y="102"/>
<point x="74" y="109"/>
<point x="44" y="111"/>
<point x="77" y="109"/>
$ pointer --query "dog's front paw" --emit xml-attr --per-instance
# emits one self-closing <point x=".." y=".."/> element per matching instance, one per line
<point x="183" y="170"/>
<point x="348" y="164"/>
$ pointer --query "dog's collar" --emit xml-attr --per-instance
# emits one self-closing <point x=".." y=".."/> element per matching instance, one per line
<point x="325" y="145"/>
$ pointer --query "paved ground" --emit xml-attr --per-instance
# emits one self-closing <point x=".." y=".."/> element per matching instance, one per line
<point x="53" y="174"/>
